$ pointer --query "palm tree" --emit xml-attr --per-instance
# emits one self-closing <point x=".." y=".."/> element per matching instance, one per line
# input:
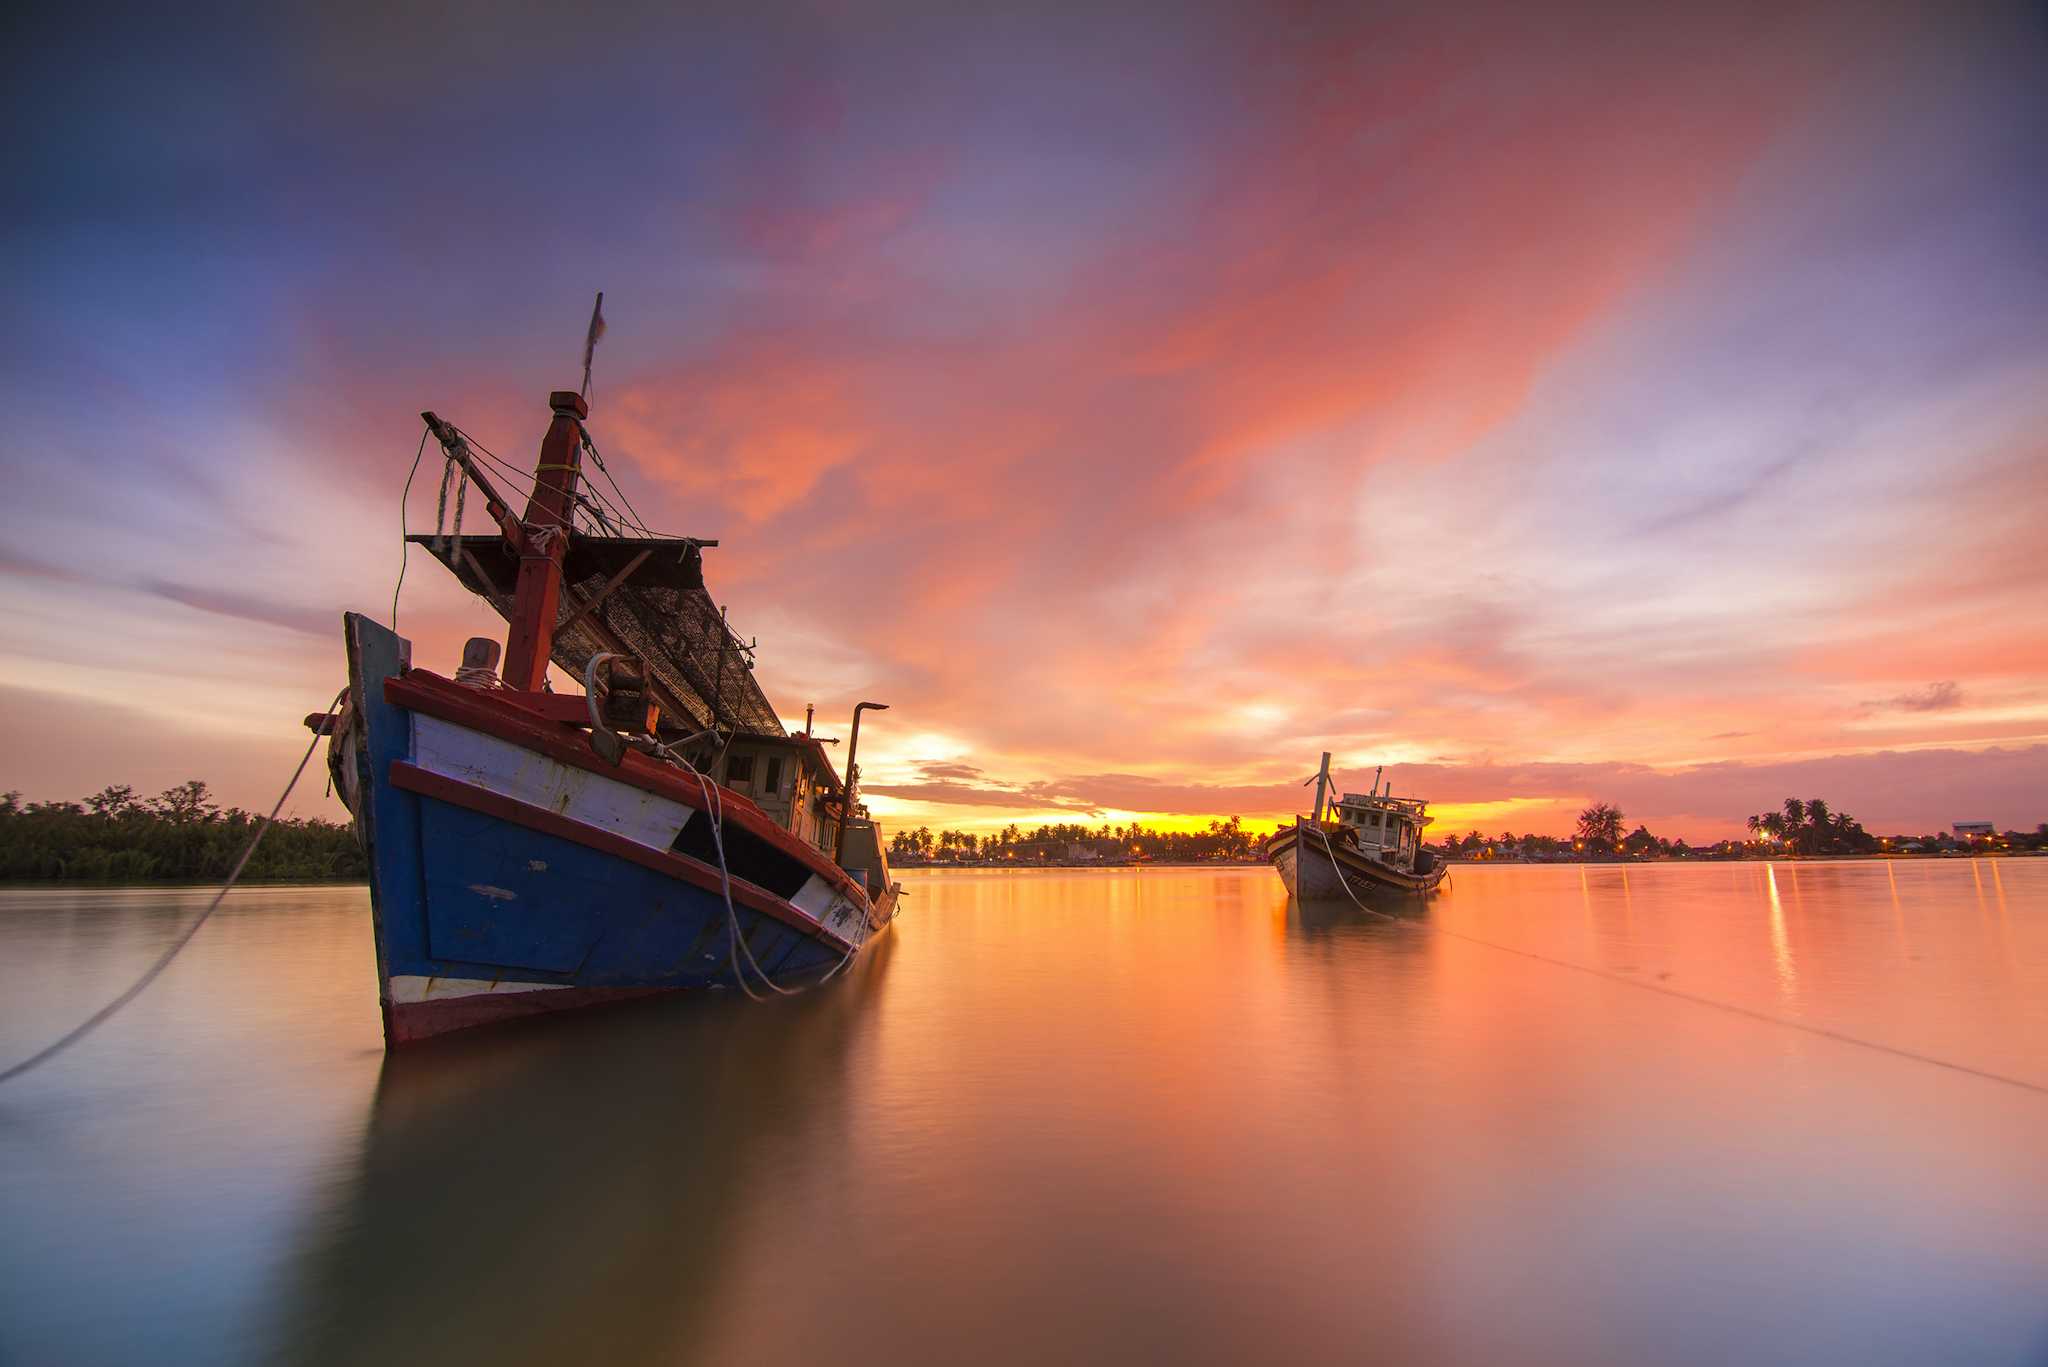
<point x="1819" y="830"/>
<point x="1795" y="815"/>
<point x="1600" y="825"/>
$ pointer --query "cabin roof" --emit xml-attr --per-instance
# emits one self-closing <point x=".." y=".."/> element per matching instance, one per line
<point x="810" y="751"/>
<point x="1406" y="806"/>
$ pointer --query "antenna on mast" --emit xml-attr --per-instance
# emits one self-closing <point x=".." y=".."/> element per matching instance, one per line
<point x="590" y="341"/>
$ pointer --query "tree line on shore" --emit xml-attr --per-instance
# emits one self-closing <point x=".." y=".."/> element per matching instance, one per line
<point x="183" y="835"/>
<point x="179" y="836"/>
<point x="1223" y="839"/>
<point x="1811" y="827"/>
<point x="1808" y="826"/>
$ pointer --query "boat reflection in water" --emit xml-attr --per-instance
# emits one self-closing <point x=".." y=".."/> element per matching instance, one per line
<point x="570" y="1192"/>
<point x="1321" y="917"/>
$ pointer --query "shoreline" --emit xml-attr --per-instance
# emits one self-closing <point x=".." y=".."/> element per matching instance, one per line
<point x="1930" y="856"/>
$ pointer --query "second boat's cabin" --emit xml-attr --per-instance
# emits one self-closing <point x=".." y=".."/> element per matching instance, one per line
<point x="1387" y="827"/>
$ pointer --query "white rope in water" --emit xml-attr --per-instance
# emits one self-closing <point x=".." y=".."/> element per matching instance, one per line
<point x="105" y="1013"/>
<point x="738" y="946"/>
<point x="1787" y="1022"/>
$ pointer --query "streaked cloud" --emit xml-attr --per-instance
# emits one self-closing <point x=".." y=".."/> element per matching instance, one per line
<point x="1936" y="697"/>
<point x="1584" y="401"/>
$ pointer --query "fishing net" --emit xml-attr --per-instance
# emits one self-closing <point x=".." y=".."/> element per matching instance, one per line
<point x="700" y="671"/>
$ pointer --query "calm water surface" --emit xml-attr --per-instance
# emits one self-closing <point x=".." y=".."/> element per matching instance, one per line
<point x="1128" y="1115"/>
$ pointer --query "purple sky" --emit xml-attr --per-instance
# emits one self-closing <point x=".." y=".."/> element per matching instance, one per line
<point x="1638" y="403"/>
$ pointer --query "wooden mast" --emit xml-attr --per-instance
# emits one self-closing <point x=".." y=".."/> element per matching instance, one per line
<point x="544" y="544"/>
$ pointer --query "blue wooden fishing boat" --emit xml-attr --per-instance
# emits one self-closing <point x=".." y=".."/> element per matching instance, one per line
<point x="535" y="851"/>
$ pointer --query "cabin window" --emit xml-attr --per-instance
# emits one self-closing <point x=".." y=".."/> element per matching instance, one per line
<point x="771" y="775"/>
<point x="739" y="770"/>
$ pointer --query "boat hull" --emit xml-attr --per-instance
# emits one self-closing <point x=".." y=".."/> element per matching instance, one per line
<point x="513" y="874"/>
<point x="1315" y="869"/>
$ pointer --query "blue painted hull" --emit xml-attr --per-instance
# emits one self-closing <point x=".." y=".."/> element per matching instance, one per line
<point x="480" y="918"/>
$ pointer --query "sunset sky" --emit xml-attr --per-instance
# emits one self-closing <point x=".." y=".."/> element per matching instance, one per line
<point x="1640" y="403"/>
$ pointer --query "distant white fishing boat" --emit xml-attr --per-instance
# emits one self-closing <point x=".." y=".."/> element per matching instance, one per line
<point x="1360" y="845"/>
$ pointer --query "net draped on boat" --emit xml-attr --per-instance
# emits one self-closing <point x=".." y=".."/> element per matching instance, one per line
<point x="699" y="669"/>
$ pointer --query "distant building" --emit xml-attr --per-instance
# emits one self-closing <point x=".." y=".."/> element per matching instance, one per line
<point x="1972" y="830"/>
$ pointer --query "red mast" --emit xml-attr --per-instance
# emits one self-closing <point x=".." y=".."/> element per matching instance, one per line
<point x="544" y="544"/>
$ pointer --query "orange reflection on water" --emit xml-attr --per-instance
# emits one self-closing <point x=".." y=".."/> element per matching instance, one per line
<point x="1781" y="942"/>
<point x="1114" y="1115"/>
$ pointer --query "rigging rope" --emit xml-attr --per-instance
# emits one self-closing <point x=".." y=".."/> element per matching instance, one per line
<point x="404" y="546"/>
<point x="106" y="1013"/>
<point x="1823" y="1031"/>
<point x="626" y="516"/>
<point x="441" y="505"/>
<point x="604" y="470"/>
<point x="444" y="537"/>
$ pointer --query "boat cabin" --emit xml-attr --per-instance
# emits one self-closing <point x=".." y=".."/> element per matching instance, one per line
<point x="791" y="779"/>
<point x="1385" y="827"/>
<point x="788" y="777"/>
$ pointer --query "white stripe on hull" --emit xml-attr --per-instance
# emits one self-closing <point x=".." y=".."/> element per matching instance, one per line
<point x="408" y="988"/>
<point x="831" y="908"/>
<point x="513" y="771"/>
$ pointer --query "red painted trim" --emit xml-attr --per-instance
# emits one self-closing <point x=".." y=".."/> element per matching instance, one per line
<point x="421" y="691"/>
<point x="409" y="1022"/>
<point x="427" y="783"/>
<point x="573" y="708"/>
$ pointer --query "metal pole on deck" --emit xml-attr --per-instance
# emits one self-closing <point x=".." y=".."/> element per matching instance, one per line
<point x="852" y="777"/>
<point x="1322" y="784"/>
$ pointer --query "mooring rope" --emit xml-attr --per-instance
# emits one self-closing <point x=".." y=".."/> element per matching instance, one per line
<point x="714" y="810"/>
<point x="1787" y="1022"/>
<point x="106" y="1013"/>
<point x="405" y="546"/>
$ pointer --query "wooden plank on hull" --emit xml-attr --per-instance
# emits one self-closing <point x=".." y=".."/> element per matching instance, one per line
<point x="426" y="693"/>
<point x="514" y="771"/>
<point x="411" y="778"/>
